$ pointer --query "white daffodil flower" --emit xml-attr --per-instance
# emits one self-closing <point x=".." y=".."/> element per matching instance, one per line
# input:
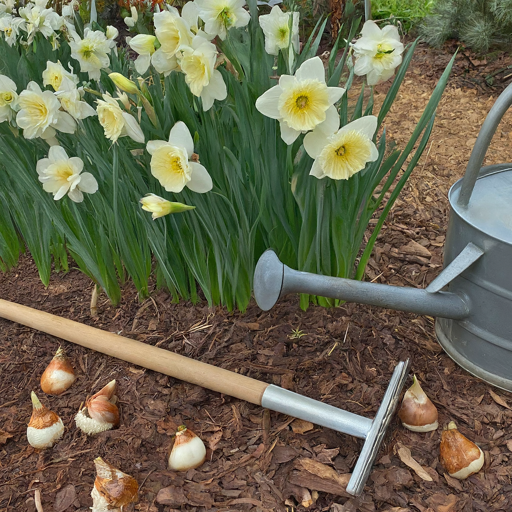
<point x="172" y="32"/>
<point x="6" y="7"/>
<point x="131" y="20"/>
<point x="61" y="175"/>
<point x="10" y="27"/>
<point x="198" y="64"/>
<point x="68" y="10"/>
<point x="55" y="73"/>
<point x="174" y="163"/>
<point x="343" y="153"/>
<point x="39" y="19"/>
<point x="378" y="52"/>
<point x="116" y="122"/>
<point x="71" y="100"/>
<point x="159" y="206"/>
<point x="92" y="52"/>
<point x="8" y="99"/>
<point x="221" y="15"/>
<point x="302" y="102"/>
<point x="276" y="27"/>
<point x="40" y="114"/>
<point x="144" y="45"/>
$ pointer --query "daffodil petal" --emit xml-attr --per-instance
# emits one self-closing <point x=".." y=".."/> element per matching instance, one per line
<point x="366" y="125"/>
<point x="268" y="102"/>
<point x="181" y="138"/>
<point x="41" y="166"/>
<point x="142" y="63"/>
<point x="77" y="163"/>
<point x="312" y="69"/>
<point x="75" y="195"/>
<point x="88" y="183"/>
<point x="317" y="171"/>
<point x="331" y="123"/>
<point x="63" y="190"/>
<point x="132" y="128"/>
<point x="200" y="180"/>
<point x="314" y="142"/>
<point x="371" y="30"/>
<point x="335" y="93"/>
<point x="289" y="135"/>
<point x="57" y="153"/>
<point x="153" y="145"/>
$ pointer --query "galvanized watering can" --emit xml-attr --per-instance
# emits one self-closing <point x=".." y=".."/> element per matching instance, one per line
<point x="472" y="297"/>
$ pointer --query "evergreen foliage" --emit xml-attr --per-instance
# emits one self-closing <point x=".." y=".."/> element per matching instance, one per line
<point x="479" y="24"/>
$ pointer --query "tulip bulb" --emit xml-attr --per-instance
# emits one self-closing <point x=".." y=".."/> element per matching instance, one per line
<point x="112" y="489"/>
<point x="417" y="412"/>
<point x="45" y="426"/>
<point x="59" y="374"/>
<point x="188" y="451"/>
<point x="100" y="412"/>
<point x="459" y="456"/>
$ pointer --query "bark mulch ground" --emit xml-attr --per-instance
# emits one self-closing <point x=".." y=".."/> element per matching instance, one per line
<point x="259" y="460"/>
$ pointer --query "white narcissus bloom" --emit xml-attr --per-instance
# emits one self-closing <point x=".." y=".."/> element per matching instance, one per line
<point x="91" y="52"/>
<point x="61" y="175"/>
<point x="159" y="206"/>
<point x="302" y="102"/>
<point x="144" y="45"/>
<point x="116" y="122"/>
<point x="378" y="52"/>
<point x="54" y="74"/>
<point x="198" y="64"/>
<point x="8" y="99"/>
<point x="10" y="26"/>
<point x="344" y="153"/>
<point x="221" y="15"/>
<point x="173" y="163"/>
<point x="40" y="114"/>
<point x="276" y="27"/>
<point x="39" y="19"/>
<point x="172" y="32"/>
<point x="71" y="100"/>
<point x="6" y="7"/>
<point x="131" y="20"/>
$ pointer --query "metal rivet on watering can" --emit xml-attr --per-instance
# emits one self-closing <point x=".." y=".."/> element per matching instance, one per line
<point x="472" y="297"/>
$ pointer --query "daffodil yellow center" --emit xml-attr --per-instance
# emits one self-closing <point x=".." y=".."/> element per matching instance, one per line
<point x="86" y="51"/>
<point x="8" y="31"/>
<point x="383" y="50"/>
<point x="345" y="155"/>
<point x="227" y="17"/>
<point x="6" y="98"/>
<point x="196" y="72"/>
<point x="283" y="34"/>
<point x="169" y="165"/>
<point x="303" y="105"/>
<point x="61" y="171"/>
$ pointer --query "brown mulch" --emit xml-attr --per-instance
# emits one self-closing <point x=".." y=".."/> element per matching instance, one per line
<point x="259" y="460"/>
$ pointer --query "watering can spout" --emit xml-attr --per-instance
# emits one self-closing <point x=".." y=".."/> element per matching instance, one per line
<point x="273" y="279"/>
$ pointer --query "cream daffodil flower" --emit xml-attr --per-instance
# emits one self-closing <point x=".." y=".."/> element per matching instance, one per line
<point x="173" y="163"/>
<point x="54" y="74"/>
<point x="10" y="27"/>
<point x="131" y="20"/>
<point x="344" y="153"/>
<point x="39" y="19"/>
<point x="276" y="27"/>
<point x="92" y="52"/>
<point x="302" y="102"/>
<point x="159" y="206"/>
<point x="61" y="175"/>
<point x="378" y="52"/>
<point x="8" y="99"/>
<point x="144" y="45"/>
<point x="198" y="64"/>
<point x="116" y="122"/>
<point x="40" y="114"/>
<point x="221" y="15"/>
<point x="71" y="100"/>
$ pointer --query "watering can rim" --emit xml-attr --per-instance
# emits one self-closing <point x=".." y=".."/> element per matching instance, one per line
<point x="484" y="172"/>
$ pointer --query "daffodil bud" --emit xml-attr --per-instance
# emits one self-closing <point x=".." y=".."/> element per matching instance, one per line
<point x="188" y="451"/>
<point x="459" y="456"/>
<point x="59" y="374"/>
<point x="45" y="426"/>
<point x="417" y="412"/>
<point x="123" y="83"/>
<point x="100" y="412"/>
<point x="159" y="206"/>
<point x="112" y="489"/>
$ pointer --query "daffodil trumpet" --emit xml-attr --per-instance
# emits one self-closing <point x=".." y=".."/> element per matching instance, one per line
<point x="188" y="451"/>
<point x="113" y="489"/>
<point x="45" y="427"/>
<point x="459" y="456"/>
<point x="417" y="412"/>
<point x="59" y="374"/>
<point x="100" y="412"/>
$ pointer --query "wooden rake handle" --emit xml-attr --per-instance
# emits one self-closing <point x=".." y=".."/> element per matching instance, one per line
<point x="132" y="351"/>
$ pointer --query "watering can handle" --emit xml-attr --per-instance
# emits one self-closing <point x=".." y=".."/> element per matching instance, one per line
<point x="485" y="136"/>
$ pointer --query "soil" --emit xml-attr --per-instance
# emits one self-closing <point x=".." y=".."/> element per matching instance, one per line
<point x="256" y="459"/>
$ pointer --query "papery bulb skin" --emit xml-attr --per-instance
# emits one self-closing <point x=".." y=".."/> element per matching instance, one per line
<point x="417" y="412"/>
<point x="45" y="426"/>
<point x="459" y="456"/>
<point x="59" y="374"/>
<point x="112" y="489"/>
<point x="100" y="412"/>
<point x="188" y="451"/>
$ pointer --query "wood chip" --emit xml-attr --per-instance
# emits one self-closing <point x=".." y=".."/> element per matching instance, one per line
<point x="416" y="249"/>
<point x="4" y="436"/>
<point x="498" y="399"/>
<point x="405" y="456"/>
<point x="301" y="426"/>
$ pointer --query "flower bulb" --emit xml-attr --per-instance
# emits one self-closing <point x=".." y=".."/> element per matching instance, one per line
<point x="59" y="374"/>
<point x="188" y="451"/>
<point x="417" y="412"/>
<point x="45" y="426"/>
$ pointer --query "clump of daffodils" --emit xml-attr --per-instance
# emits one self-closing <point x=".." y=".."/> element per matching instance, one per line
<point x="61" y="175"/>
<point x="378" y="52"/>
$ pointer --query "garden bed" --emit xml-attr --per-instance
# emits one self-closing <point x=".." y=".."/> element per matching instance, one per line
<point x="342" y="356"/>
